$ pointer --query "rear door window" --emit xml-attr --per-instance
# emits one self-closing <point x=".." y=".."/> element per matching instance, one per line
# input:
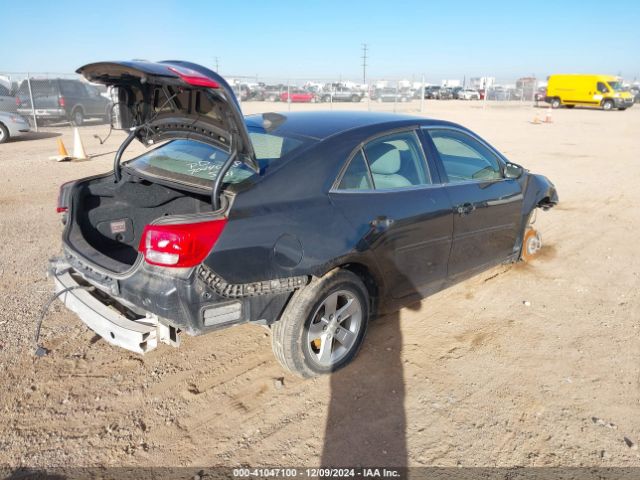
<point x="394" y="161"/>
<point x="464" y="158"/>
<point x="356" y="176"/>
<point x="73" y="89"/>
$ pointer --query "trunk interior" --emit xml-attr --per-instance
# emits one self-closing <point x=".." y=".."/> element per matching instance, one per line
<point x="109" y="218"/>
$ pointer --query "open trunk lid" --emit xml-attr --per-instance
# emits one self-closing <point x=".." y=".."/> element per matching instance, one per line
<point x="175" y="100"/>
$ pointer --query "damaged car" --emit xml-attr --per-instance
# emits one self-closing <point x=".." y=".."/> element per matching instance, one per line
<point x="307" y="223"/>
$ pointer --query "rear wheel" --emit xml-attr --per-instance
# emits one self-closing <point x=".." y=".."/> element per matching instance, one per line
<point x="4" y="133"/>
<point x="326" y="98"/>
<point x="531" y="244"/>
<point x="323" y="325"/>
<point x="355" y="98"/>
<point x="607" y="105"/>
<point x="78" y="117"/>
<point x="555" y="103"/>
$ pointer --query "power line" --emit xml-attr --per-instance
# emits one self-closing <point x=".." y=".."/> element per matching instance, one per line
<point x="365" y="47"/>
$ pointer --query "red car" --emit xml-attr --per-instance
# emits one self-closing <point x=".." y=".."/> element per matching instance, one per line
<point x="298" y="96"/>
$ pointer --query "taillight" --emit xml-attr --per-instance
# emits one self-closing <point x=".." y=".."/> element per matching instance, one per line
<point x="17" y="102"/>
<point x="61" y="206"/>
<point x="180" y="245"/>
<point x="192" y="77"/>
<point x="61" y="101"/>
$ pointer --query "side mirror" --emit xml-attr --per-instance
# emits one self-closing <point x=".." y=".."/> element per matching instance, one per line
<point x="513" y="171"/>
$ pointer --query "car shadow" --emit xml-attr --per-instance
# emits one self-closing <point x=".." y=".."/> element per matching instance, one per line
<point x="366" y="422"/>
<point x="35" y="136"/>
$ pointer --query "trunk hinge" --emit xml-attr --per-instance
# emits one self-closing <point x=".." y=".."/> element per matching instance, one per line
<point x="217" y="185"/>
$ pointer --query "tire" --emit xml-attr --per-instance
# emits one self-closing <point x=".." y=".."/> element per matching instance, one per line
<point x="607" y="105"/>
<point x="272" y="98"/>
<point x="326" y="99"/>
<point x="531" y="244"/>
<point x="77" y="117"/>
<point x="355" y="98"/>
<point x="292" y="337"/>
<point x="4" y="134"/>
<point x="555" y="103"/>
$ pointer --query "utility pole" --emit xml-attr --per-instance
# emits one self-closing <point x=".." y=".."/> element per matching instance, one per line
<point x="215" y="59"/>
<point x="365" y="47"/>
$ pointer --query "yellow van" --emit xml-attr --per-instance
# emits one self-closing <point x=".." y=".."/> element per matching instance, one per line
<point x="589" y="90"/>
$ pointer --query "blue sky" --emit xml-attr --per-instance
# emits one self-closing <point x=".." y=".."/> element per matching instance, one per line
<point x="299" y="39"/>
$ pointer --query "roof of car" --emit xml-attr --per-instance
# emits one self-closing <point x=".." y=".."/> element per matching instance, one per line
<point x="321" y="125"/>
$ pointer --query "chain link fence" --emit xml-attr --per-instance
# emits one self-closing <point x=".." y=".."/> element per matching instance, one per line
<point x="62" y="99"/>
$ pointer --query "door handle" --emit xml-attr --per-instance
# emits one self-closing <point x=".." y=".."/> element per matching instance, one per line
<point x="465" y="209"/>
<point x="382" y="223"/>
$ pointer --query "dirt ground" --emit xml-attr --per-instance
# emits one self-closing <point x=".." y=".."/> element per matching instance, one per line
<point x="526" y="365"/>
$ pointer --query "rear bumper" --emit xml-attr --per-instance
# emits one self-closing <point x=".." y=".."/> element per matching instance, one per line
<point x="52" y="113"/>
<point x="195" y="304"/>
<point x="140" y="335"/>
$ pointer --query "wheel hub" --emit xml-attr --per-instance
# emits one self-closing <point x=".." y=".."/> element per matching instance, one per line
<point x="334" y="328"/>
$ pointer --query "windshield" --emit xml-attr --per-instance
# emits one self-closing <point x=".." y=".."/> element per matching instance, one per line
<point x="616" y="86"/>
<point x="196" y="163"/>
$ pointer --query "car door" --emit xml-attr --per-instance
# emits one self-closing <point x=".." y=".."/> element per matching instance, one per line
<point x="486" y="205"/>
<point x="95" y="103"/>
<point x="7" y="102"/>
<point x="400" y="211"/>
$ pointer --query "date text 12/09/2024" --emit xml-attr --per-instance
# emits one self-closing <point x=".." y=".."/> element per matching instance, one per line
<point x="316" y="473"/>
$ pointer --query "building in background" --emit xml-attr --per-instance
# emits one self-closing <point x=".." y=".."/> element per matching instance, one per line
<point x="482" y="82"/>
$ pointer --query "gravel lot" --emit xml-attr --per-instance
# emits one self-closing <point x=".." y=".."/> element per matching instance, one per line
<point x="526" y="365"/>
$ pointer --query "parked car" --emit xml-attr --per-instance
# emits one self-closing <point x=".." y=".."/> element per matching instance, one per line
<point x="61" y="99"/>
<point x="320" y="223"/>
<point x="12" y="125"/>
<point x="456" y="92"/>
<point x="605" y="91"/>
<point x="496" y="93"/>
<point x="432" y="92"/>
<point x="7" y="101"/>
<point x="297" y="95"/>
<point x="272" y="92"/>
<point x="540" y="95"/>
<point x="391" y="95"/>
<point x="340" y="93"/>
<point x="445" y="93"/>
<point x="469" y="94"/>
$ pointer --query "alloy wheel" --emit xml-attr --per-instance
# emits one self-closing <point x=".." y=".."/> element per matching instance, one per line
<point x="334" y="328"/>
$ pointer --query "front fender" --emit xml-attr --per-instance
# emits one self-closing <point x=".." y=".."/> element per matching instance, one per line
<point x="538" y="192"/>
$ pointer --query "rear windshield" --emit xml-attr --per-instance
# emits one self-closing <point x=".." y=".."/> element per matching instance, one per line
<point x="39" y="88"/>
<point x="198" y="164"/>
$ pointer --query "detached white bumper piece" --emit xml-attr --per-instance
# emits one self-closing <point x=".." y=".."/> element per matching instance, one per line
<point x="138" y="336"/>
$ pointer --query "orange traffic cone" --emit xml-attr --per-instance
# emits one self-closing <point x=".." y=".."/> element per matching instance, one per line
<point x="79" y="152"/>
<point x="62" y="155"/>
<point x="547" y="117"/>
